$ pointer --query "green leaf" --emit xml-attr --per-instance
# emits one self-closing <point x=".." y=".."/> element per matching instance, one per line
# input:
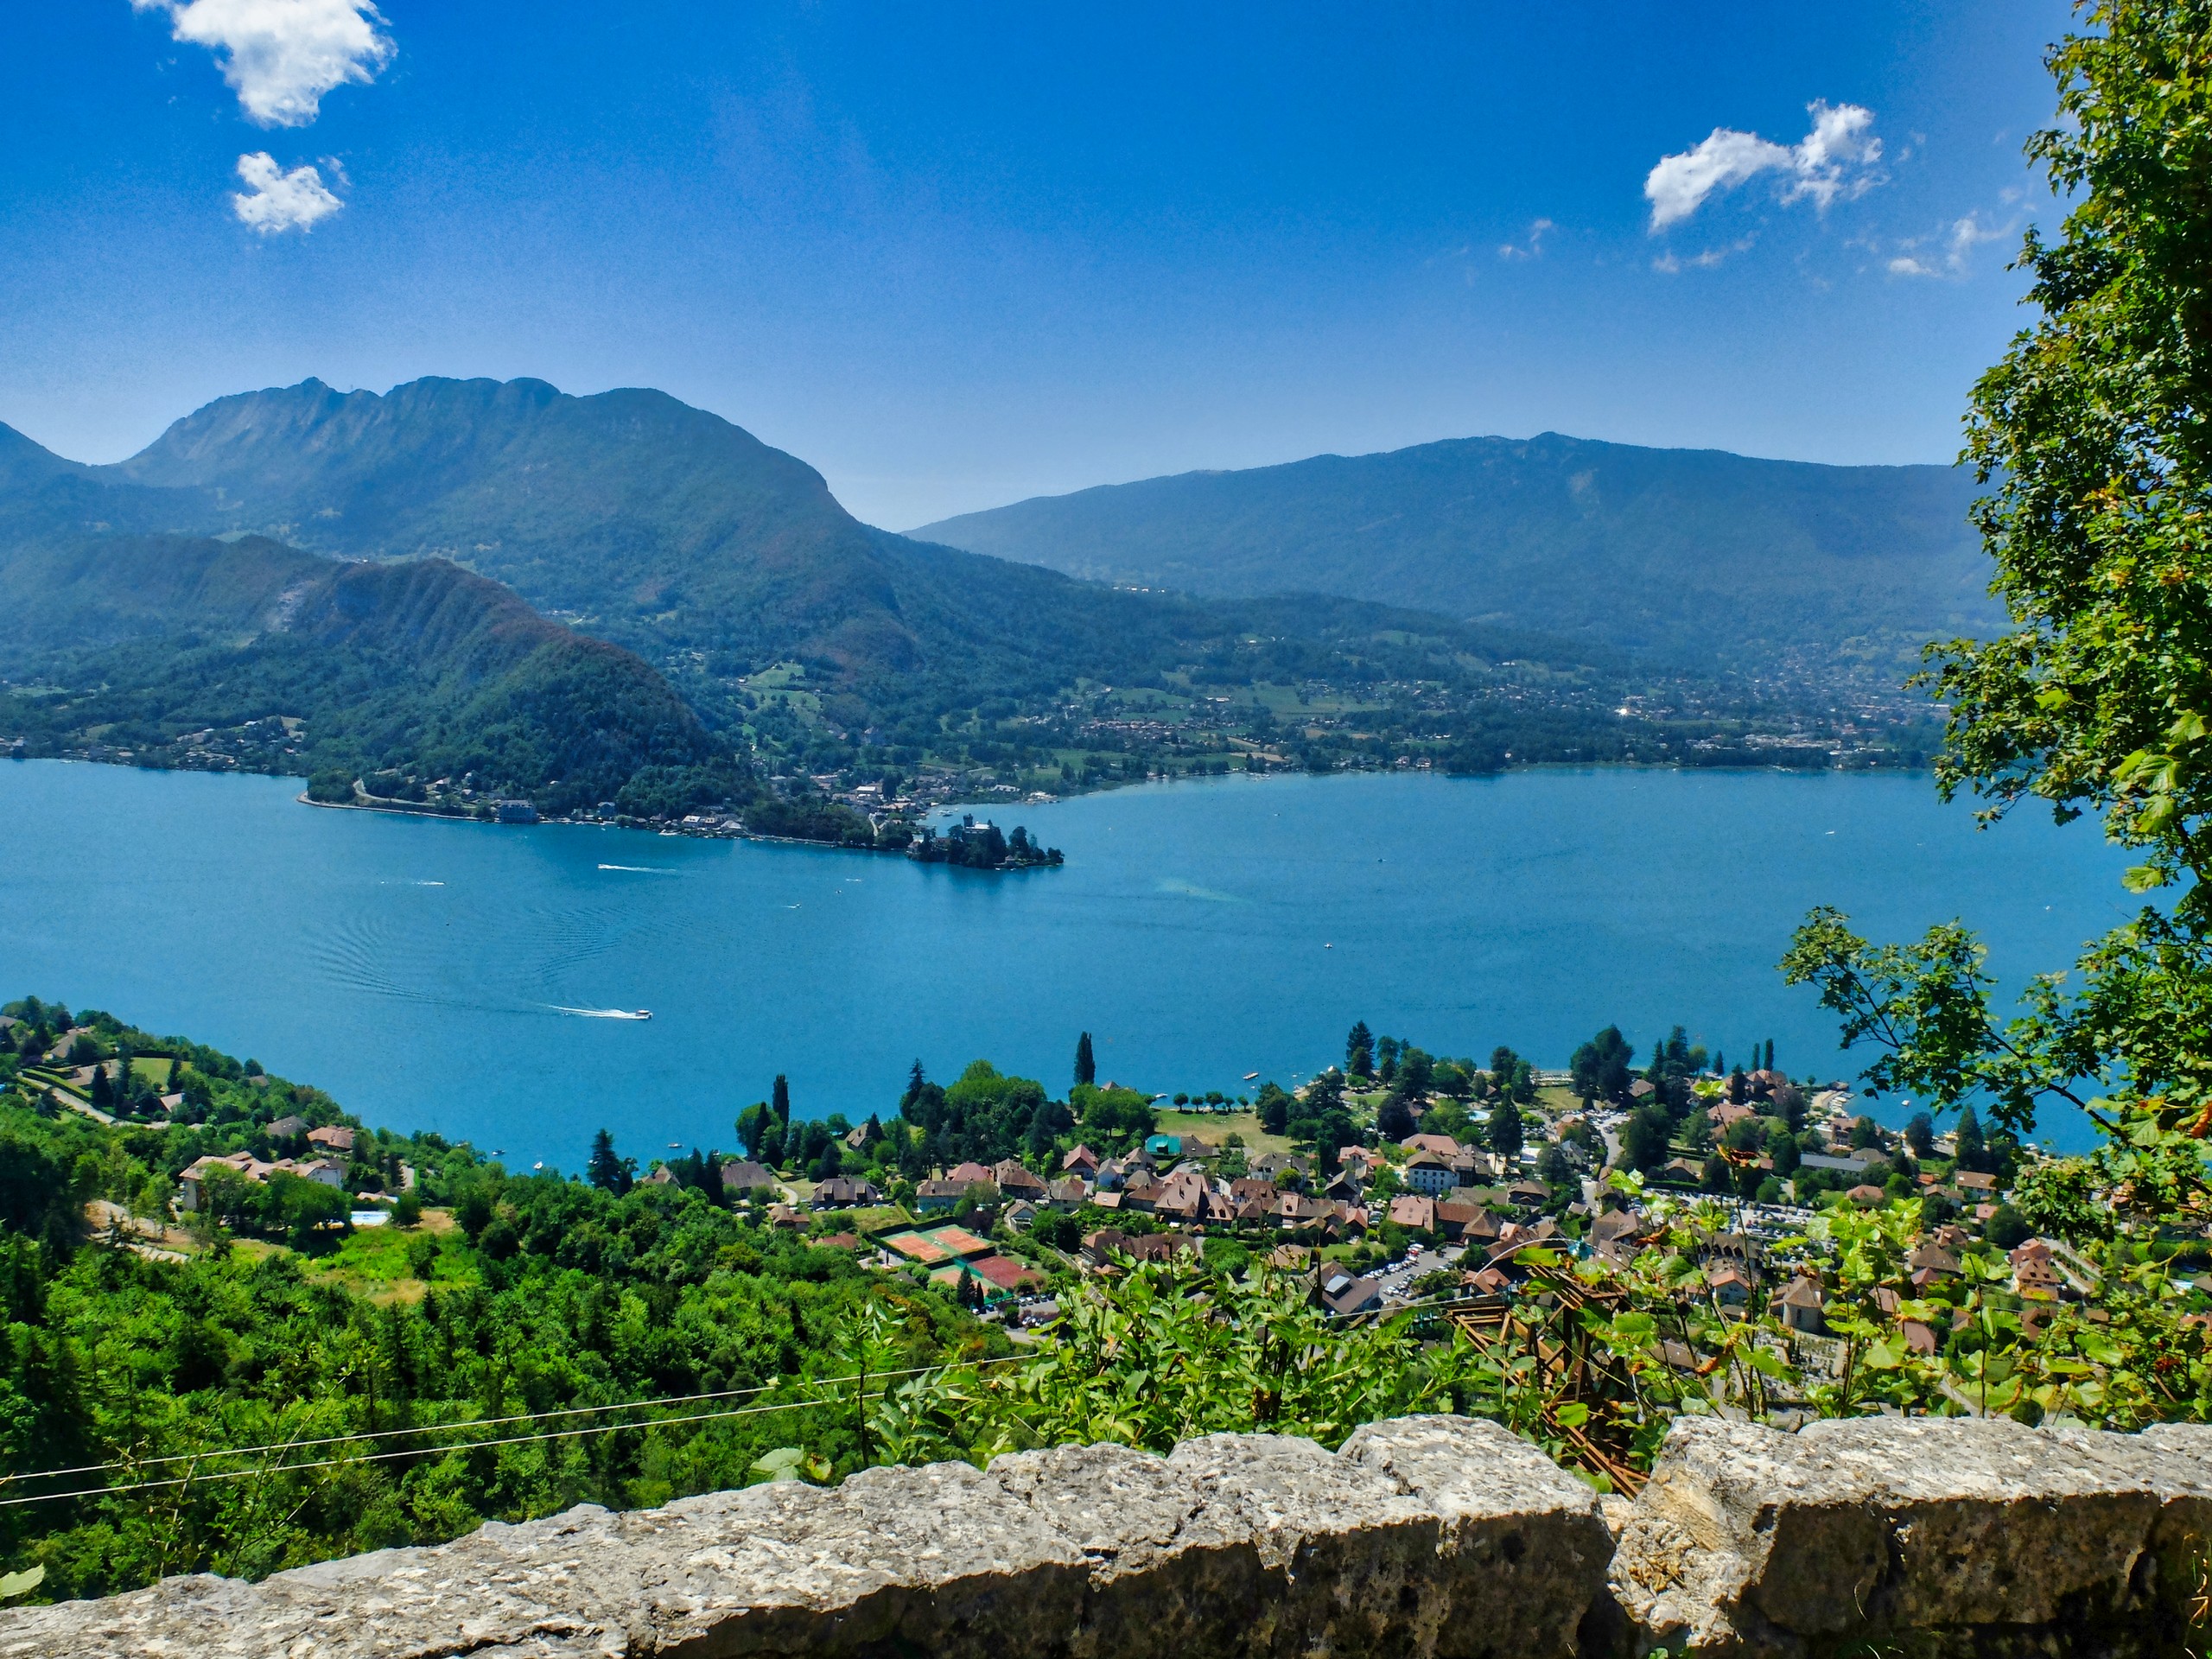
<point x="784" y="1463"/>
<point x="2142" y="878"/>
<point x="2100" y="1349"/>
<point x="1766" y="1361"/>
<point x="17" y="1584"/>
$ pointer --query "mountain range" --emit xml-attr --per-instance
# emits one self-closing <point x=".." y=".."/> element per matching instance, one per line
<point x="648" y="523"/>
<point x="572" y="597"/>
<point x="1673" y="553"/>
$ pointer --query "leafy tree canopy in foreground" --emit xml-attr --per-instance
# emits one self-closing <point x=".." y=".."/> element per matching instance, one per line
<point x="2093" y="437"/>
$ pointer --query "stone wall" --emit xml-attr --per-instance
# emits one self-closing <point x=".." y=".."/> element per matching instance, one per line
<point x="1428" y="1535"/>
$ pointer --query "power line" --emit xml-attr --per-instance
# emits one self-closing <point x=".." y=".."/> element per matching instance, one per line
<point x="386" y="1456"/>
<point x="441" y="1428"/>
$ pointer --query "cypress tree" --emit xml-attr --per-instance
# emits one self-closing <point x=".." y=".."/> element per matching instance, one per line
<point x="1086" y="1066"/>
<point x="779" y="1100"/>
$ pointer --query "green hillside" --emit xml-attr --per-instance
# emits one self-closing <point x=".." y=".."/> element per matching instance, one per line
<point x="189" y="651"/>
<point x="1675" y="552"/>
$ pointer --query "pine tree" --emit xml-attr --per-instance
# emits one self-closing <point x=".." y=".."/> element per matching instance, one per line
<point x="1086" y="1067"/>
<point x="1386" y="1058"/>
<point x="915" y="1083"/>
<point x="1359" y="1051"/>
<point x="604" y="1169"/>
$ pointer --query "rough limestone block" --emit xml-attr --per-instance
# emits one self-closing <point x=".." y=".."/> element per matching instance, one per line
<point x="1167" y="1573"/>
<point x="931" y="1560"/>
<point x="1944" y="1531"/>
<point x="1234" y="1545"/>
<point x="1336" y="1543"/>
<point x="1522" y="1544"/>
<point x="501" y="1589"/>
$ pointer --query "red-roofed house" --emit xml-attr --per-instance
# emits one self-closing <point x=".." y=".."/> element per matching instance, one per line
<point x="1414" y="1213"/>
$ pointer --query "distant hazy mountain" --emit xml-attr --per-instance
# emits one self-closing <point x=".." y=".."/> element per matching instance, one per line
<point x="1684" y="552"/>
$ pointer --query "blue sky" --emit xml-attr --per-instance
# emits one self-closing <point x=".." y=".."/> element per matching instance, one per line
<point x="958" y="254"/>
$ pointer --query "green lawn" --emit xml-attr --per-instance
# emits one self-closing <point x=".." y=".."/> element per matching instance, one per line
<point x="155" y="1068"/>
<point x="1216" y="1127"/>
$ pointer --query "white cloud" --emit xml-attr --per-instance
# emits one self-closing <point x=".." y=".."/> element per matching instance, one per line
<point x="281" y="56"/>
<point x="274" y="201"/>
<point x="1961" y="241"/>
<point x="1669" y="264"/>
<point x="1533" y="248"/>
<point x="1835" y="159"/>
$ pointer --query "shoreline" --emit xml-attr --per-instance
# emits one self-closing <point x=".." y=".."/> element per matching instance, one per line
<point x="936" y="811"/>
<point x="646" y="827"/>
<point x="957" y="802"/>
<point x="1118" y="894"/>
<point x="410" y="809"/>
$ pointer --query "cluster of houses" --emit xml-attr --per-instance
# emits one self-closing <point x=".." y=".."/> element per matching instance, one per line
<point x="1172" y="1179"/>
<point x="1486" y="1264"/>
<point x="2045" y="1274"/>
<point x="330" y="1146"/>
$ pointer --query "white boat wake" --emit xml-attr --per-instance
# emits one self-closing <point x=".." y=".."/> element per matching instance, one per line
<point x="638" y="869"/>
<point x="603" y="1013"/>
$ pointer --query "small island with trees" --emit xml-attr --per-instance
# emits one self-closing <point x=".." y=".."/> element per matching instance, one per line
<point x="975" y="846"/>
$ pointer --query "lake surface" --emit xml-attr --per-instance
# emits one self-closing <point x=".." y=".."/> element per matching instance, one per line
<point x="454" y="977"/>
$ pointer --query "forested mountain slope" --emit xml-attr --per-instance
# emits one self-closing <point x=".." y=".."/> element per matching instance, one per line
<point x="1679" y="552"/>
<point x="162" y="644"/>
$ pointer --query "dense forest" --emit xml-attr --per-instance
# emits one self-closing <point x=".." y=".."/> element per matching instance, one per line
<point x="524" y="1295"/>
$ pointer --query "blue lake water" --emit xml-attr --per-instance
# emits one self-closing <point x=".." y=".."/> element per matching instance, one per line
<point x="443" y="975"/>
